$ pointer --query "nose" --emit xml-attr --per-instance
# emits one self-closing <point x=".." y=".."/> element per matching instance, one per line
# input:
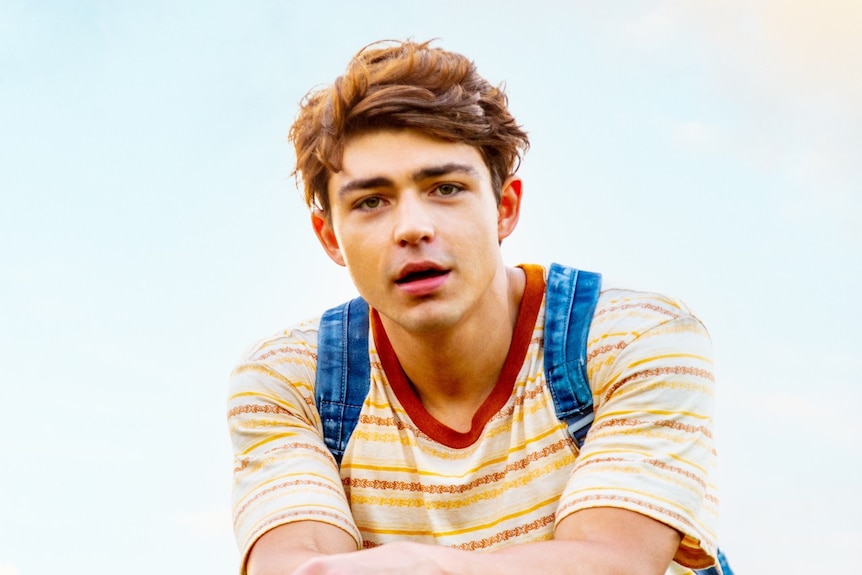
<point x="414" y="223"/>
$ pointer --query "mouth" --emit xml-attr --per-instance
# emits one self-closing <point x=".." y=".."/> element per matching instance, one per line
<point x="419" y="275"/>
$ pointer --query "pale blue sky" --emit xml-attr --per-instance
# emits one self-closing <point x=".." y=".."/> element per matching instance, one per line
<point x="150" y="231"/>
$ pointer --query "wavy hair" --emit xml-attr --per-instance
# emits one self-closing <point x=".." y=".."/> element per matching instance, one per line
<point x="404" y="85"/>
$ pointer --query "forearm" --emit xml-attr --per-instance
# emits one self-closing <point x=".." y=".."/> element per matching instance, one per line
<point x="556" y="557"/>
<point x="601" y="541"/>
<point x="281" y="562"/>
<point x="564" y="557"/>
<point x="546" y="557"/>
<point x="591" y="542"/>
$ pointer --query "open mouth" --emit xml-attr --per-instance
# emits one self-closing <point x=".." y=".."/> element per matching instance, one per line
<point x="421" y="275"/>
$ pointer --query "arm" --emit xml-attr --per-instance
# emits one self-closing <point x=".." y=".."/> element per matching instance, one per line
<point x="285" y="548"/>
<point x="288" y="500"/>
<point x="650" y="448"/>
<point x="602" y="541"/>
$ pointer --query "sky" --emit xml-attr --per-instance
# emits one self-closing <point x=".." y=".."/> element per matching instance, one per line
<point x="150" y="231"/>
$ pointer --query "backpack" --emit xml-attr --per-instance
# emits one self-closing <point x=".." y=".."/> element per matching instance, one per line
<point x="344" y="372"/>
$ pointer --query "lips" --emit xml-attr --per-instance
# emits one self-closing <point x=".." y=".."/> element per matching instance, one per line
<point x="416" y="271"/>
<point x="420" y="275"/>
<point x="421" y="279"/>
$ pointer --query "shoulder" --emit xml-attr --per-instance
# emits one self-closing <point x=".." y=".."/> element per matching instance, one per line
<point x="616" y="306"/>
<point x="301" y="335"/>
<point x="286" y="357"/>
<point x="650" y="348"/>
<point x="623" y="302"/>
<point x="636" y="312"/>
<point x="645" y="332"/>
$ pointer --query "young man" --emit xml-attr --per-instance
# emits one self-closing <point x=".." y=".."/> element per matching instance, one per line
<point x="458" y="462"/>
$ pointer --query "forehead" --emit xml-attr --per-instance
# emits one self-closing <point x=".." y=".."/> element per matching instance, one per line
<point x="397" y="152"/>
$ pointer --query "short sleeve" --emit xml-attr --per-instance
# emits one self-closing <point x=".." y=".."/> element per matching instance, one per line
<point x="283" y="471"/>
<point x="650" y="448"/>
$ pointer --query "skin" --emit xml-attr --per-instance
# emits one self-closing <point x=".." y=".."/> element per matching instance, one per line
<point x="417" y="225"/>
<point x="405" y="202"/>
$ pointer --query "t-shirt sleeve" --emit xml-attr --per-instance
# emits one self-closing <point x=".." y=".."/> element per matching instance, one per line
<point x="650" y="448"/>
<point x="283" y="471"/>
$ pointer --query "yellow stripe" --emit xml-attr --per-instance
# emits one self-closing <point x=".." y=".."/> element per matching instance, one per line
<point x="622" y="335"/>
<point x="301" y="506"/>
<point x="472" y="470"/>
<point x="269" y="439"/>
<point x="521" y="513"/>
<point x="671" y="415"/>
<point x="669" y="356"/>
<point x="647" y="499"/>
<point x="251" y="494"/>
<point x="265" y="369"/>
<point x="450" y="501"/>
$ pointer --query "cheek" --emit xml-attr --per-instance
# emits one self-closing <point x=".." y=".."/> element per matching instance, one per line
<point x="359" y="252"/>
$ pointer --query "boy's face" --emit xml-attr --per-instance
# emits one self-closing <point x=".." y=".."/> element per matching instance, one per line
<point x="417" y="224"/>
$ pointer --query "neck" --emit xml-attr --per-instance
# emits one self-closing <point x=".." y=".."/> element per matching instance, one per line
<point x="453" y="371"/>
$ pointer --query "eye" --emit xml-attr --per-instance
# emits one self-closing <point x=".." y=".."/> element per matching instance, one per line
<point x="448" y="189"/>
<point x="369" y="203"/>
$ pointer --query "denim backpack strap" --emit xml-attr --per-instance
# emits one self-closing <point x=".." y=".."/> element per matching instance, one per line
<point x="343" y="372"/>
<point x="569" y="306"/>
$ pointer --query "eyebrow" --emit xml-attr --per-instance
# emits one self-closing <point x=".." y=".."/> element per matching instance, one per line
<point x="417" y="176"/>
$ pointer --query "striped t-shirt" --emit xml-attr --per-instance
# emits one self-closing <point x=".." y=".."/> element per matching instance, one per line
<point x="516" y="473"/>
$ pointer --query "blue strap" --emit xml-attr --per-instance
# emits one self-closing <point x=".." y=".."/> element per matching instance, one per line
<point x="569" y="308"/>
<point x="343" y="372"/>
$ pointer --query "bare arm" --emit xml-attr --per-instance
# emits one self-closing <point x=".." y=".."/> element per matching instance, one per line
<point x="283" y="549"/>
<point x="602" y="541"/>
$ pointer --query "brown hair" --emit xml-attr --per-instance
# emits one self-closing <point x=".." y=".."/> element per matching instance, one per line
<point x="404" y="85"/>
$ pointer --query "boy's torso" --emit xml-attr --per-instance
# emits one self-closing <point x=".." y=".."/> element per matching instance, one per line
<point x="506" y="487"/>
<point x="404" y="482"/>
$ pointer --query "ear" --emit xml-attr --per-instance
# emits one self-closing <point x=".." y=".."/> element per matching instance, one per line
<point x="322" y="225"/>
<point x="509" y="209"/>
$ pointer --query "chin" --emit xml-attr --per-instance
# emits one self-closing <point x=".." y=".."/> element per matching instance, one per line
<point x="427" y="320"/>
